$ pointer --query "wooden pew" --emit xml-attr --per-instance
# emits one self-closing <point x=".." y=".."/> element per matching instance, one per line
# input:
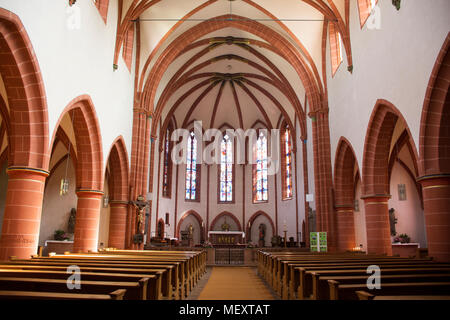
<point x="305" y="289"/>
<point x="287" y="283"/>
<point x="83" y="269"/>
<point x="302" y="282"/>
<point x="152" y="288"/>
<point x="33" y="295"/>
<point x="172" y="267"/>
<point x="363" y="295"/>
<point x="321" y="286"/>
<point x="134" y="290"/>
<point x="186" y="283"/>
<point x="348" y="291"/>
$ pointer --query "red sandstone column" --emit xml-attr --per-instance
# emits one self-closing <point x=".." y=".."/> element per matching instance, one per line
<point x="345" y="228"/>
<point x="87" y="220"/>
<point x="377" y="225"/>
<point x="22" y="217"/>
<point x="436" y="201"/>
<point x="117" y="224"/>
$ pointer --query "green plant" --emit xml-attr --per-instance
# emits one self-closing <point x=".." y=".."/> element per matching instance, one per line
<point x="404" y="238"/>
<point x="60" y="235"/>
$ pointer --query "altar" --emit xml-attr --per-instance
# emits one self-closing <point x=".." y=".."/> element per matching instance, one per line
<point x="226" y="237"/>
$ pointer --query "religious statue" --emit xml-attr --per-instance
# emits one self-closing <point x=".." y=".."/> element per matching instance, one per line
<point x="225" y="226"/>
<point x="71" y="224"/>
<point x="191" y="231"/>
<point x="392" y="221"/>
<point x="262" y="235"/>
<point x="140" y="204"/>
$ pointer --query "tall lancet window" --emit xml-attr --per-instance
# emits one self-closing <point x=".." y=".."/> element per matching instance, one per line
<point x="192" y="169"/>
<point x="260" y="169"/>
<point x="167" y="170"/>
<point x="226" y="170"/>
<point x="286" y="161"/>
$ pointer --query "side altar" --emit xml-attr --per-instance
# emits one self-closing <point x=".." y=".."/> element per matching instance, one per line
<point x="226" y="237"/>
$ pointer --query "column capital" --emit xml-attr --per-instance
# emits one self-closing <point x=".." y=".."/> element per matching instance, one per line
<point x="36" y="171"/>
<point x="344" y="208"/>
<point x="434" y="180"/>
<point x="376" y="197"/>
<point x="118" y="203"/>
<point x="88" y="192"/>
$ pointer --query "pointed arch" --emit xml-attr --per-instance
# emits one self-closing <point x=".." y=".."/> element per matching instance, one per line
<point x="225" y="214"/>
<point x="197" y="217"/>
<point x="26" y="96"/>
<point x="86" y="127"/>
<point x="253" y="218"/>
<point x="119" y="170"/>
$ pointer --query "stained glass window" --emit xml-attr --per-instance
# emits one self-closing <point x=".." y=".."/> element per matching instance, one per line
<point x="260" y="169"/>
<point x="167" y="170"/>
<point x="191" y="168"/>
<point x="226" y="170"/>
<point x="287" y="162"/>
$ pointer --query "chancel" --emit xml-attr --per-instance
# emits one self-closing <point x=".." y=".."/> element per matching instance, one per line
<point x="225" y="149"/>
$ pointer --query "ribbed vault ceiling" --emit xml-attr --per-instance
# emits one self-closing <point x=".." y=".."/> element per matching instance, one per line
<point x="230" y="75"/>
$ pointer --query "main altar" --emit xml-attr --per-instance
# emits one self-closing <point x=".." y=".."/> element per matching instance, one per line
<point x="226" y="237"/>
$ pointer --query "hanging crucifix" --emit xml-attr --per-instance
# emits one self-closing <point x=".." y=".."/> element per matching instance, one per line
<point x="140" y="204"/>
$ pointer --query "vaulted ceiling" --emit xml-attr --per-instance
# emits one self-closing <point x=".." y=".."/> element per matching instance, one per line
<point x="235" y="62"/>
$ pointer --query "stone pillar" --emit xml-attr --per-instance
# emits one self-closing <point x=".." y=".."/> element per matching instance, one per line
<point x="436" y="201"/>
<point x="22" y="216"/>
<point x="117" y="224"/>
<point x="87" y="220"/>
<point x="377" y="225"/>
<point x="345" y="228"/>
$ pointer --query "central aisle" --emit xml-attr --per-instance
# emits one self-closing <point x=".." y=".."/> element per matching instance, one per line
<point x="235" y="283"/>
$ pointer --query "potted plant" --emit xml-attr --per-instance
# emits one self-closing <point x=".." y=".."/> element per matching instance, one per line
<point x="60" y="235"/>
<point x="404" y="238"/>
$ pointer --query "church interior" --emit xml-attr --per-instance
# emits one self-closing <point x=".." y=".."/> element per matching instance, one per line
<point x="224" y="149"/>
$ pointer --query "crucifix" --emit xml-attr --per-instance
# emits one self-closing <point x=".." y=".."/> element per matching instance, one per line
<point x="140" y="204"/>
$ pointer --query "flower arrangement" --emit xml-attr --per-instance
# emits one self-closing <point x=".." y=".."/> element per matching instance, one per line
<point x="207" y="244"/>
<point x="403" y="238"/>
<point x="61" y="235"/>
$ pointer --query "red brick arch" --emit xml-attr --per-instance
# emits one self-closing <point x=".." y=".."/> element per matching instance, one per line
<point x="375" y="175"/>
<point x="344" y="187"/>
<point x="89" y="171"/>
<point x="88" y="142"/>
<point x="225" y="214"/>
<point x="27" y="125"/>
<point x="26" y="95"/>
<point x="119" y="170"/>
<point x="435" y="157"/>
<point x="377" y="148"/>
<point x="435" y="123"/>
<point x="284" y="48"/>
<point x="252" y="220"/>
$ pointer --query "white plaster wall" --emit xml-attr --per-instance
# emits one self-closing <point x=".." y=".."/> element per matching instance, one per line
<point x="79" y="61"/>
<point x="392" y="63"/>
<point x="409" y="213"/>
<point x="103" y="233"/>
<point x="56" y="208"/>
<point x="360" y="220"/>
<point x="3" y="187"/>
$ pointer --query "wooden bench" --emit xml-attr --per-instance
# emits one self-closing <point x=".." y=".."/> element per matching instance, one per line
<point x="363" y="295"/>
<point x="321" y="286"/>
<point x="348" y="291"/>
<point x="33" y="295"/>
<point x="152" y="287"/>
<point x="186" y="277"/>
<point x="83" y="269"/>
<point x="134" y="290"/>
<point x="301" y="281"/>
<point x="171" y="280"/>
